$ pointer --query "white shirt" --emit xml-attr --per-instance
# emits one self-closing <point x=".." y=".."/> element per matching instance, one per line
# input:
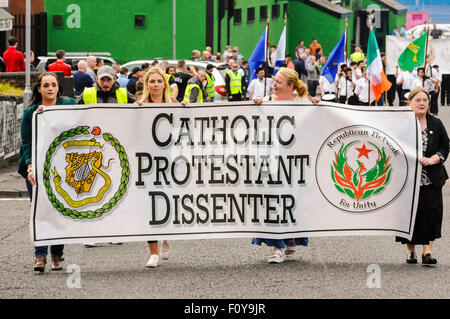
<point x="343" y="87"/>
<point x="358" y="73"/>
<point x="362" y="90"/>
<point x="435" y="75"/>
<point x="256" y="87"/>
<point x="408" y="78"/>
<point x="418" y="82"/>
<point x="326" y="85"/>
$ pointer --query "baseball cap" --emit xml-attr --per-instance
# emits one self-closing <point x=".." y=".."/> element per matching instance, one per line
<point x="107" y="71"/>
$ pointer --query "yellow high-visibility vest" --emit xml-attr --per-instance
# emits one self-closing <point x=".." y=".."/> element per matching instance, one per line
<point x="187" y="93"/>
<point x="168" y="76"/>
<point x="210" y="88"/>
<point x="357" y="56"/>
<point x="90" y="95"/>
<point x="235" y="82"/>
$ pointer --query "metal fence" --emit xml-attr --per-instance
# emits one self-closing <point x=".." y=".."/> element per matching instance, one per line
<point x="11" y="112"/>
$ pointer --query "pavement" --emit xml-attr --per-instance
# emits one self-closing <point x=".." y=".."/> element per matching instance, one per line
<point x="12" y="185"/>
<point x="341" y="267"/>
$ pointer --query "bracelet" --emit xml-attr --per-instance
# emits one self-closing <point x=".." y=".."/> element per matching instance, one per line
<point x="29" y="169"/>
<point x="440" y="156"/>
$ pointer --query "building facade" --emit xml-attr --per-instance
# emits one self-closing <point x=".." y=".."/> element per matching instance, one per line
<point x="143" y="29"/>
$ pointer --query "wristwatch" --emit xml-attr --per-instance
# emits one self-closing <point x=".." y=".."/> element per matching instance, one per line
<point x="440" y="156"/>
<point x="30" y="169"/>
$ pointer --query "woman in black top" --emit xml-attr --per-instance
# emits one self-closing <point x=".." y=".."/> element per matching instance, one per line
<point x="435" y="142"/>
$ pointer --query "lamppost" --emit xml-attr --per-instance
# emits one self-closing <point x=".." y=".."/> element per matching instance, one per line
<point x="27" y="91"/>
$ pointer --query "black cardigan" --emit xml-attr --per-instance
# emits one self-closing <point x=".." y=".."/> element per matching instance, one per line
<point x="438" y="142"/>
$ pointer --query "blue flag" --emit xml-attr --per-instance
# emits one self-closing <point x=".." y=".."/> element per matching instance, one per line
<point x="336" y="57"/>
<point x="281" y="49"/>
<point x="258" y="56"/>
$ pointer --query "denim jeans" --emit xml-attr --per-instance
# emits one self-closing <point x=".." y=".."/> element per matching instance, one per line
<point x="42" y="251"/>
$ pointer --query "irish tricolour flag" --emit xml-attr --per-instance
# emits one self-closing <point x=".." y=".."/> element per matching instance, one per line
<point x="375" y="72"/>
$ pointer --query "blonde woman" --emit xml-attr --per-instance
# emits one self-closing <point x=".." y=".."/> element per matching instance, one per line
<point x="286" y="87"/>
<point x="435" y="142"/>
<point x="156" y="90"/>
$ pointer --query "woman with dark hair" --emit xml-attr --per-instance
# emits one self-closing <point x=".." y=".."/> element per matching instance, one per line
<point x="45" y="93"/>
<point x="427" y="227"/>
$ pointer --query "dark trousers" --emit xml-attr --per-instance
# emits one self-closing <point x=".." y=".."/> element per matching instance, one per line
<point x="235" y="97"/>
<point x="312" y="87"/>
<point x="445" y="89"/>
<point x="342" y="99"/>
<point x="392" y="90"/>
<point x="42" y="251"/>
<point x="434" y="102"/>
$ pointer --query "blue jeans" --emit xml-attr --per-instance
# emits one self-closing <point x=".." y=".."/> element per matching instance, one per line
<point x="42" y="251"/>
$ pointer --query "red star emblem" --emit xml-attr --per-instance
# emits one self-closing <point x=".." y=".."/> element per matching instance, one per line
<point x="363" y="151"/>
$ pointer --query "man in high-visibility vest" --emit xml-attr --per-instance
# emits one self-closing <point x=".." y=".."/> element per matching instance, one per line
<point x="234" y="83"/>
<point x="106" y="89"/>
<point x="210" y="87"/>
<point x="195" y="90"/>
<point x="357" y="56"/>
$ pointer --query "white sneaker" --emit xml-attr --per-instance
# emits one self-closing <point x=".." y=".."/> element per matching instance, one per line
<point x="165" y="250"/>
<point x="277" y="257"/>
<point x="153" y="261"/>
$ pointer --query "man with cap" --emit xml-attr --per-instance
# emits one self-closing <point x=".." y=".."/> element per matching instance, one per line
<point x="106" y="90"/>
<point x="134" y="76"/>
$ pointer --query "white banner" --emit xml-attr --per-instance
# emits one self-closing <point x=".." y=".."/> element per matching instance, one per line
<point x="438" y="50"/>
<point x="128" y="173"/>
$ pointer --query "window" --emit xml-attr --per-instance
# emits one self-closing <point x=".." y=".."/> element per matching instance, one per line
<point x="237" y="16"/>
<point x="250" y="15"/>
<point x="58" y="21"/>
<point x="263" y="13"/>
<point x="275" y="11"/>
<point x="139" y="21"/>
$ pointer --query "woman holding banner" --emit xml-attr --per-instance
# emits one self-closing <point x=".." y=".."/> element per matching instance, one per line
<point x="156" y="90"/>
<point x="435" y="141"/>
<point x="286" y="87"/>
<point x="46" y="92"/>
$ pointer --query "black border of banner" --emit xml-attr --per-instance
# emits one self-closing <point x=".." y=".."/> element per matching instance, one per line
<point x="209" y="105"/>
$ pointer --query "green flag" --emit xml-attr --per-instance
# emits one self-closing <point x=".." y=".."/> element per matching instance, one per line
<point x="414" y="54"/>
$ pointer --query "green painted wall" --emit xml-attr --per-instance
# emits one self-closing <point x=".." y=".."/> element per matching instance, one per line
<point x="108" y="26"/>
<point x="304" y="22"/>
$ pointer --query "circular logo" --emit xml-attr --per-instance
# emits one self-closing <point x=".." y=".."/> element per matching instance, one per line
<point x="360" y="169"/>
<point x="78" y="172"/>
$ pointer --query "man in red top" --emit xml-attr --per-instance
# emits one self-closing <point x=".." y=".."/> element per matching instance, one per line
<point x="59" y="65"/>
<point x="14" y="59"/>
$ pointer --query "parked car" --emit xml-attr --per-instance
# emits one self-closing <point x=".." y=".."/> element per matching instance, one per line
<point x="417" y="31"/>
<point x="218" y="73"/>
<point x="45" y="61"/>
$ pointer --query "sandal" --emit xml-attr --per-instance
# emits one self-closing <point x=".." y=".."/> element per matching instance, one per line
<point x="289" y="252"/>
<point x="165" y="250"/>
<point x="277" y="257"/>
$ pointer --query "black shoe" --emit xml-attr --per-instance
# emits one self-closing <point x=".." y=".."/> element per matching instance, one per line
<point x="411" y="258"/>
<point x="428" y="260"/>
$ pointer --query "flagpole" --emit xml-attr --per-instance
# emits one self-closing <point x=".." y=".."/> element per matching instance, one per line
<point x="426" y="53"/>
<point x="346" y="59"/>
<point x="267" y="55"/>
<point x="368" y="77"/>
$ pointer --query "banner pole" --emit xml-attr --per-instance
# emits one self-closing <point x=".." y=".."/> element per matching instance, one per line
<point x="426" y="53"/>
<point x="267" y="55"/>
<point x="346" y="59"/>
